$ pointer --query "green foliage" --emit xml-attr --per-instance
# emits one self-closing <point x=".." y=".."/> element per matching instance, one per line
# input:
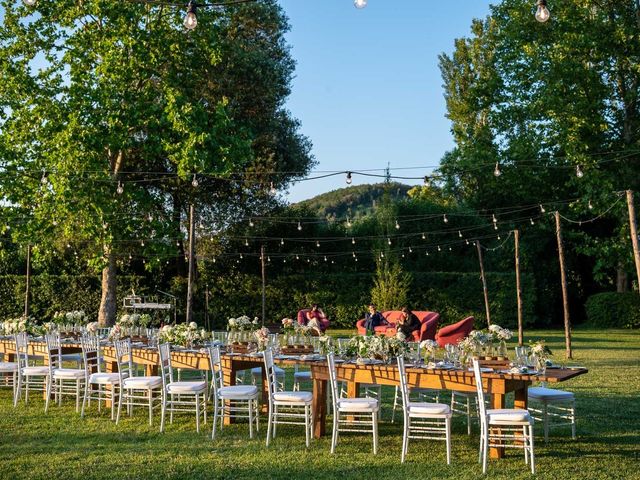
<point x="613" y="309"/>
<point x="390" y="286"/>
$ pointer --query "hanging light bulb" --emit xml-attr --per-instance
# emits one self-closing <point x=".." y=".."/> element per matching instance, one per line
<point x="542" y="12"/>
<point x="268" y="259"/>
<point x="282" y="241"/>
<point x="348" y="222"/>
<point x="359" y="3"/>
<point x="496" y="171"/>
<point x="213" y="259"/>
<point x="246" y="242"/>
<point x="532" y="222"/>
<point x="150" y="217"/>
<point x="439" y="249"/>
<point x="299" y="227"/>
<point x="445" y="219"/>
<point x="250" y="222"/>
<point x="142" y="243"/>
<point x="493" y="218"/>
<point x="389" y="241"/>
<point x="495" y="226"/>
<point x="590" y="205"/>
<point x="542" y="209"/>
<point x="120" y="189"/>
<point x="297" y="257"/>
<point x="498" y="237"/>
<point x="426" y="253"/>
<point x="579" y="172"/>
<point x="459" y="234"/>
<point x="349" y="180"/>
<point x="449" y="248"/>
<point x="353" y="241"/>
<point x="317" y="244"/>
<point x="353" y="254"/>
<point x="410" y="250"/>
<point x="130" y="257"/>
<point x="467" y="241"/>
<point x="284" y="260"/>
<point x="191" y="20"/>
<point x="424" y="237"/>
<point x="241" y="257"/>
<point x="194" y="182"/>
<point x="325" y="258"/>
<point x="381" y="255"/>
<point x="397" y="225"/>
<point x="177" y="243"/>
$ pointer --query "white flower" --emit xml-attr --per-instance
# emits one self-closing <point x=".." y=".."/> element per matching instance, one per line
<point x="193" y="325"/>
<point x="400" y="335"/>
<point x="429" y="346"/>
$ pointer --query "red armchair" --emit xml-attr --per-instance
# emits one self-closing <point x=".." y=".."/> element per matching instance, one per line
<point x="302" y="319"/>
<point x="455" y="332"/>
<point x="429" y="322"/>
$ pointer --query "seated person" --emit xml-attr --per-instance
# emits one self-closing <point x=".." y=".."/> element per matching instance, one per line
<point x="408" y="323"/>
<point x="373" y="319"/>
<point x="314" y="317"/>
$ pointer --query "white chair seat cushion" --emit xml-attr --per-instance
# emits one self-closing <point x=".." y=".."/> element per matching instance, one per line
<point x="186" y="387"/>
<point x="293" y="397"/>
<point x="142" y="382"/>
<point x="257" y="371"/>
<point x="426" y="408"/>
<point x="238" y="392"/>
<point x="358" y="405"/>
<point x="508" y="415"/>
<point x="549" y="394"/>
<point x="302" y="375"/>
<point x="8" y="367"/>
<point x="35" y="371"/>
<point x="104" y="378"/>
<point x="68" y="373"/>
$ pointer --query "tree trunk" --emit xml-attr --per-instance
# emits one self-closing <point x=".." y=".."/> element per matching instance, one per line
<point x="108" y="307"/>
<point x="622" y="280"/>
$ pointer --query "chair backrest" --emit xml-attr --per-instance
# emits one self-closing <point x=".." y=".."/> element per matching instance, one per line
<point x="217" y="380"/>
<point x="272" y="379"/>
<point x="124" y="359"/>
<point x="22" y="350"/>
<point x="333" y="380"/>
<point x="54" y="351"/>
<point x="478" y="378"/>
<point x="165" y="364"/>
<point x="91" y="353"/>
<point x="404" y="389"/>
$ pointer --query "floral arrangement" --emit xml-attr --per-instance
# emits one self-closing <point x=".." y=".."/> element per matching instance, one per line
<point x="262" y="337"/>
<point x="429" y="347"/>
<point x="115" y="333"/>
<point x="305" y="330"/>
<point x="242" y="324"/>
<point x="75" y="317"/>
<point x="21" y="324"/>
<point x="481" y="338"/>
<point x="400" y="335"/>
<point x="325" y="344"/>
<point x="288" y="325"/>
<point x="92" y="328"/>
<point x="467" y="346"/>
<point x="183" y="334"/>
<point x="502" y="334"/>
<point x="540" y="350"/>
<point x="375" y="346"/>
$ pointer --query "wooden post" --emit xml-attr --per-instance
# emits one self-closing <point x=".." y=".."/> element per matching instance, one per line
<point x="264" y="285"/>
<point x="565" y="295"/>
<point x="192" y="245"/>
<point x="634" y="234"/>
<point x="516" y="237"/>
<point x="27" y="290"/>
<point x="484" y="283"/>
<point x="206" y="307"/>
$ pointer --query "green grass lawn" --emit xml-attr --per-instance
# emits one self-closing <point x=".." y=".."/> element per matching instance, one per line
<point x="62" y="445"/>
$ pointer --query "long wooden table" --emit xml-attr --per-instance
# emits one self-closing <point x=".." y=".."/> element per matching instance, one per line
<point x="497" y="384"/>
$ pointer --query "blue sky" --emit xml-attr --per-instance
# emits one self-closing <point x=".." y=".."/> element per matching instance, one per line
<point x="368" y="89"/>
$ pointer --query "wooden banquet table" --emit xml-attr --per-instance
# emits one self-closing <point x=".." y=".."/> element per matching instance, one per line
<point x="497" y="383"/>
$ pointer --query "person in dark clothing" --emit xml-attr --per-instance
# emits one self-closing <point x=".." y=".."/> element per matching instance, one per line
<point x="373" y="319"/>
<point x="408" y="323"/>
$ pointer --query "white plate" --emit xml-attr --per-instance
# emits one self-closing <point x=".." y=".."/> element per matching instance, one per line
<point x="483" y="370"/>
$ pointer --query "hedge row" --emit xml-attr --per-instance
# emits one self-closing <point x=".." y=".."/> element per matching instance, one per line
<point x="343" y="296"/>
<point x="611" y="309"/>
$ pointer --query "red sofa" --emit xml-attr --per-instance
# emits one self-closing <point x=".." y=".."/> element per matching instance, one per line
<point x="429" y="322"/>
<point x="455" y="332"/>
<point x="302" y="319"/>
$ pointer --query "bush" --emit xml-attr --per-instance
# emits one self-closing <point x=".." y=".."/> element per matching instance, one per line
<point x="612" y="309"/>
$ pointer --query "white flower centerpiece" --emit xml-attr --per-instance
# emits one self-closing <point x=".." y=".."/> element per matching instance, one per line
<point x="92" y="328"/>
<point x="12" y="326"/>
<point x="240" y="329"/>
<point x="71" y="321"/>
<point x="467" y="348"/>
<point x="325" y="344"/>
<point x="429" y="347"/>
<point x="502" y="335"/>
<point x="375" y="347"/>
<point x="483" y="341"/>
<point x="262" y="338"/>
<point x="541" y="353"/>
<point x="183" y="334"/>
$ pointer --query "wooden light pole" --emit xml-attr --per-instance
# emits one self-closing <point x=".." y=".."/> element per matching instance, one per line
<point x="634" y="234"/>
<point x="27" y="290"/>
<point x="192" y="248"/>
<point x="484" y="283"/>
<point x="264" y="285"/>
<point x="565" y="295"/>
<point x="516" y="237"/>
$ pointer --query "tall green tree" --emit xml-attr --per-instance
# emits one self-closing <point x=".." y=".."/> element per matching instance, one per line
<point x="108" y="109"/>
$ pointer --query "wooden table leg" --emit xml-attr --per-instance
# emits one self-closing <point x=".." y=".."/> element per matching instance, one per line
<point x="319" y="407"/>
<point x="353" y="389"/>
<point x="497" y="401"/>
<point x="521" y="398"/>
<point x="151" y="370"/>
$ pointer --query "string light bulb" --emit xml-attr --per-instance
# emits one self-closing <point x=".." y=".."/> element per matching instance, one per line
<point x="353" y="241"/>
<point x="542" y="210"/>
<point x="459" y="234"/>
<point x="439" y="249"/>
<point x="299" y="227"/>
<point x="360" y="4"/>
<point x="194" y="182"/>
<point x="348" y="222"/>
<point x="493" y="218"/>
<point x="467" y="241"/>
<point x="532" y="222"/>
<point x="410" y="250"/>
<point x="389" y="241"/>
<point x="246" y="242"/>
<point x="579" y="172"/>
<point x="349" y="179"/>
<point x="496" y="171"/>
<point x="590" y="205"/>
<point x="282" y="241"/>
<point x="251" y="222"/>
<point x="317" y="244"/>
<point x="424" y="237"/>
<point x="397" y="225"/>
<point x="190" y="19"/>
<point x="542" y="12"/>
<point x="120" y="188"/>
<point x="445" y="219"/>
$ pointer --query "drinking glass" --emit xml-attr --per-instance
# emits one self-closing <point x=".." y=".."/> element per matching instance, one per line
<point x="522" y="355"/>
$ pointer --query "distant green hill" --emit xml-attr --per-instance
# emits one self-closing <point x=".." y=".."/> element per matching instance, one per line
<point x="356" y="201"/>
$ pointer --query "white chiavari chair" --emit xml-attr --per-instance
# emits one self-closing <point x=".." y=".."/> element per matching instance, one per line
<point x="135" y="391"/>
<point x="62" y="381"/>
<point x="29" y="377"/>
<point x="554" y="408"/>
<point x="423" y="420"/>
<point x="351" y="414"/>
<point x="100" y="386"/>
<point x="286" y="407"/>
<point x="180" y="396"/>
<point x="237" y="401"/>
<point x="503" y="428"/>
<point x="9" y="375"/>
